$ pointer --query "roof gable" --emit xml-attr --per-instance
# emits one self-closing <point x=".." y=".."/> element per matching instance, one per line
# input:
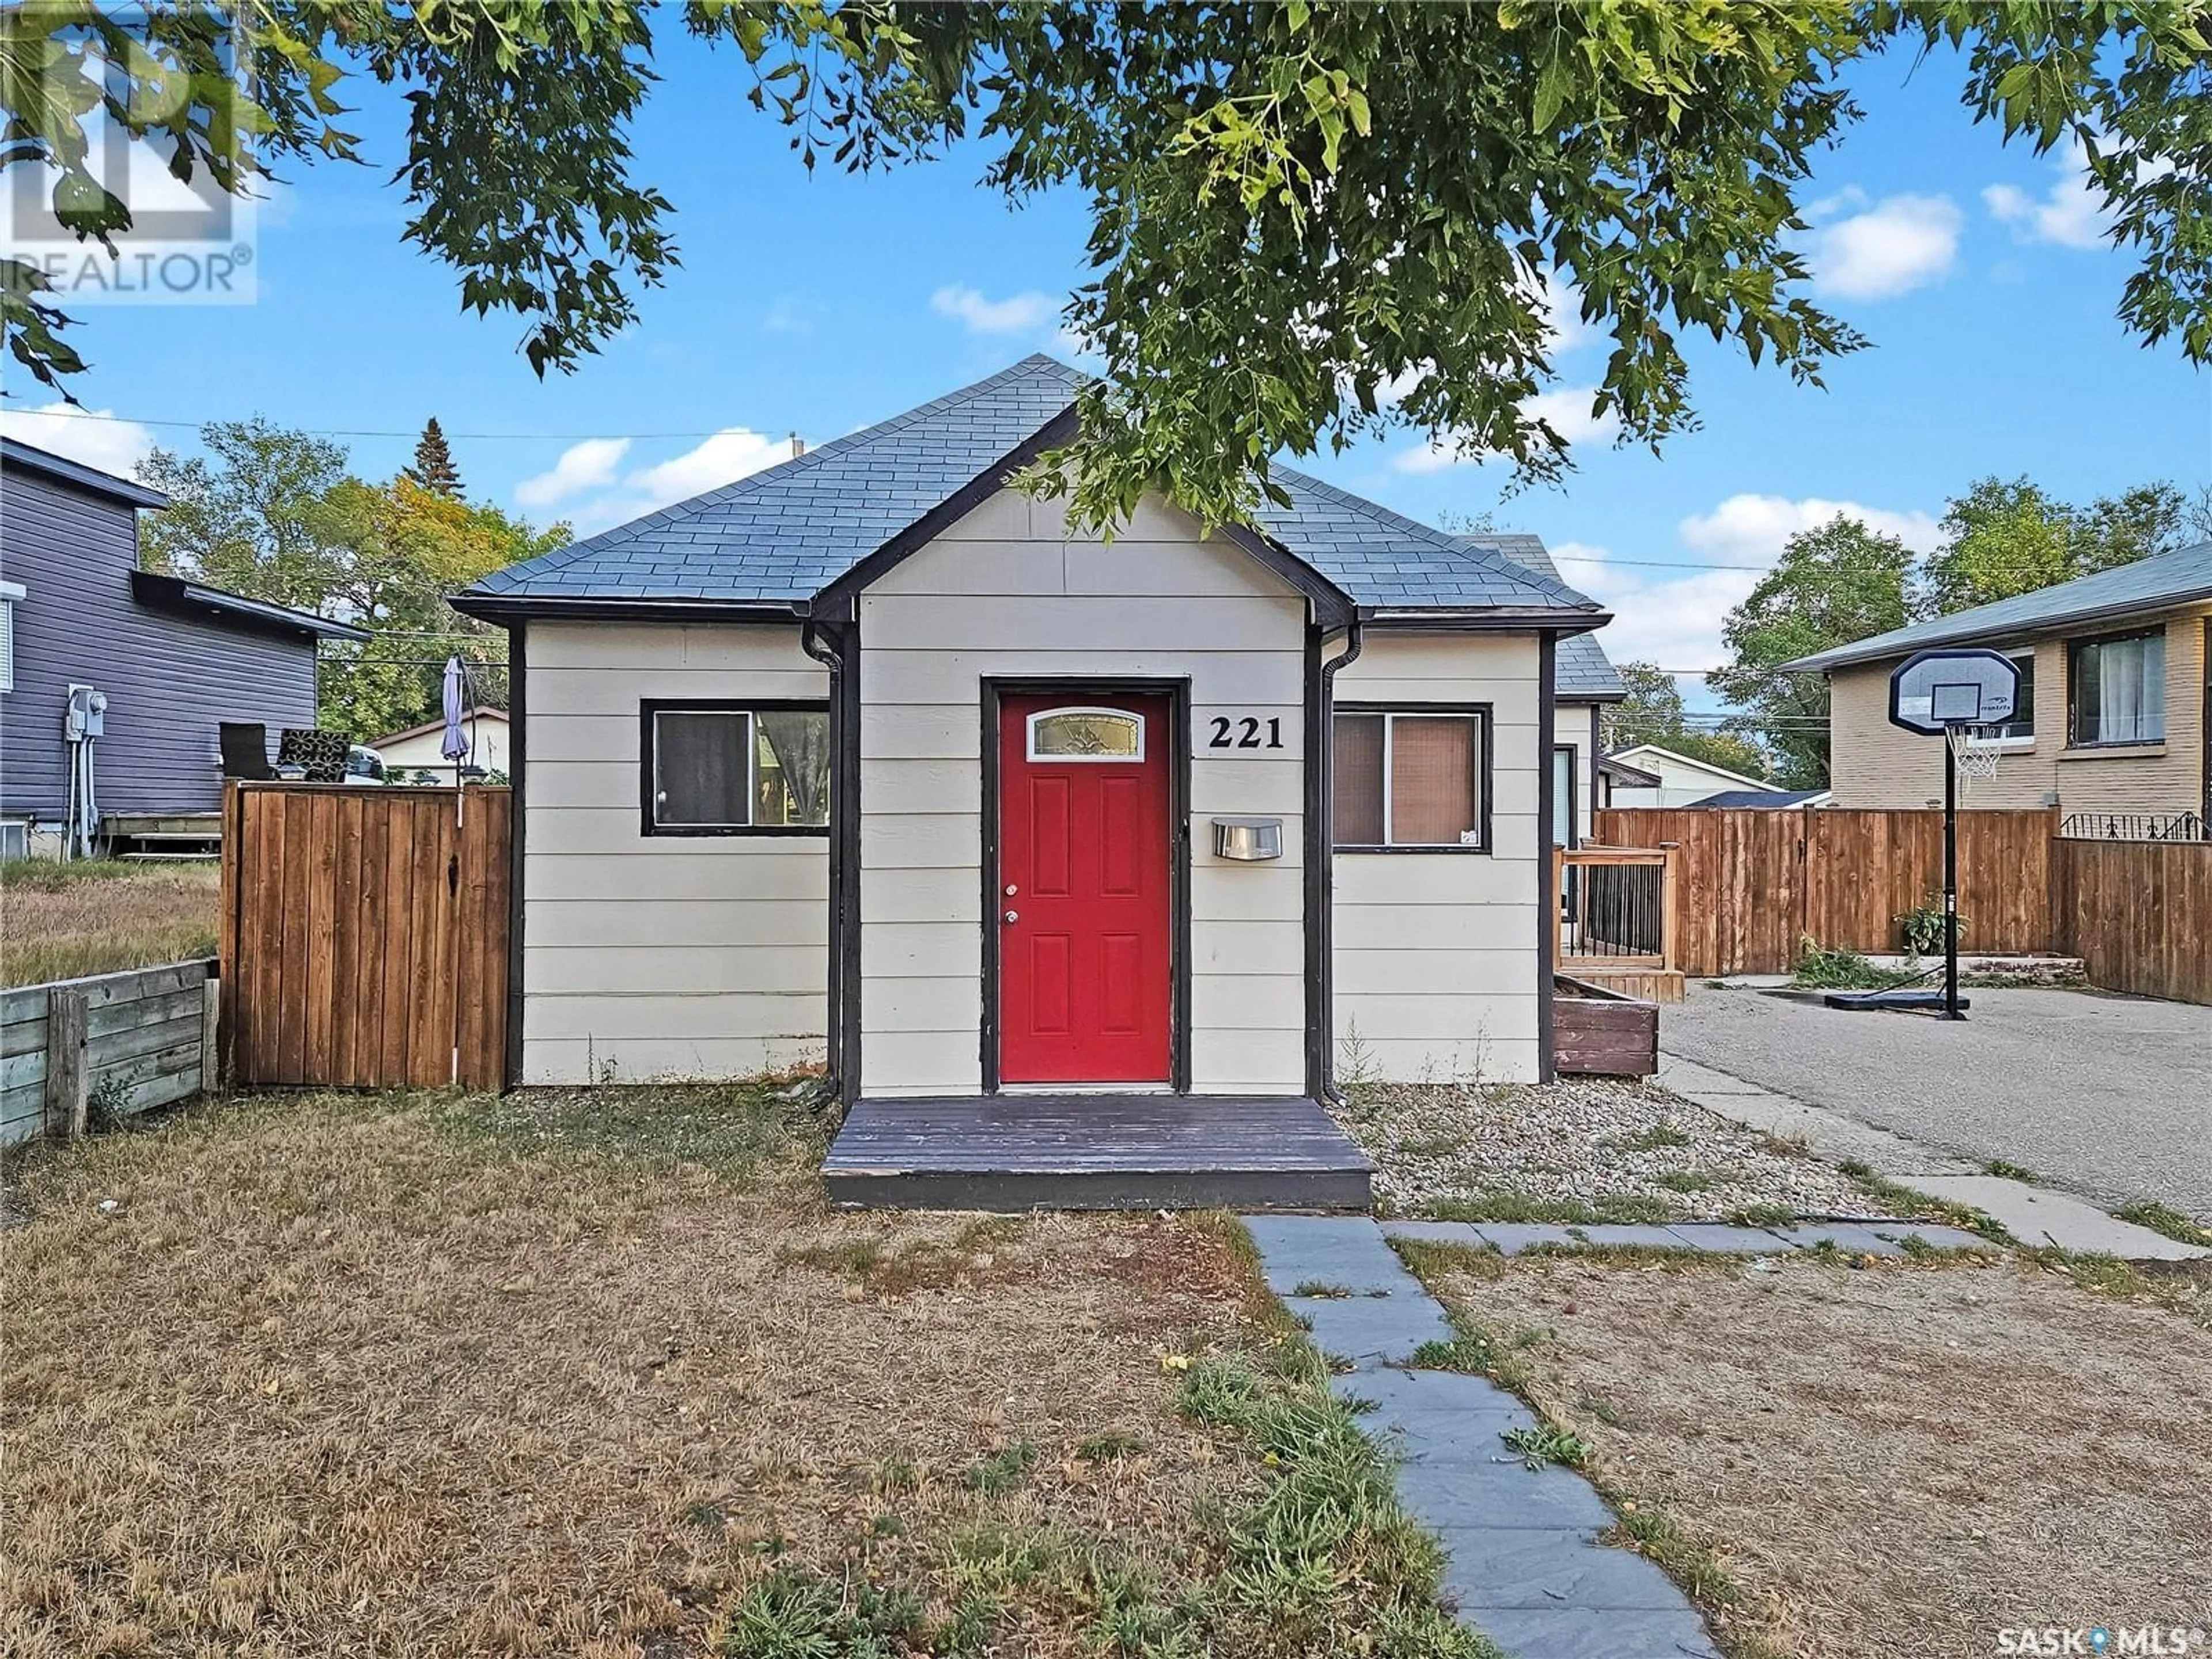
<point x="1650" y="757"/>
<point x="19" y="457"/>
<point x="2162" y="583"/>
<point x="841" y="513"/>
<point x="1580" y="672"/>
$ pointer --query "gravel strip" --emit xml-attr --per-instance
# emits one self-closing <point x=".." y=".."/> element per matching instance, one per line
<point x="1584" y="1140"/>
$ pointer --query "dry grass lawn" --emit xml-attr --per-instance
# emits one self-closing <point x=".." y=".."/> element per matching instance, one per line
<point x="1901" y="1459"/>
<point x="62" y="920"/>
<point x="551" y="1375"/>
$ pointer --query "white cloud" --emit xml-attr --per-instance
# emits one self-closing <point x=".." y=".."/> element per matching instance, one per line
<point x="2071" y="214"/>
<point x="1673" y="616"/>
<point x="590" y="465"/>
<point x="93" y="436"/>
<point x="1018" y="313"/>
<point x="1563" y="312"/>
<point x="1670" y="618"/>
<point x="1749" y="528"/>
<point x="790" y="315"/>
<point x="729" y="455"/>
<point x="1568" y="409"/>
<point x="1900" y="243"/>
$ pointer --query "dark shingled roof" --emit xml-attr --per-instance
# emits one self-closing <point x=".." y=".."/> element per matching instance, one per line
<point x="1582" y="671"/>
<point x="782" y="535"/>
<point x="1772" y="800"/>
<point x="16" y="456"/>
<point x="2169" y="580"/>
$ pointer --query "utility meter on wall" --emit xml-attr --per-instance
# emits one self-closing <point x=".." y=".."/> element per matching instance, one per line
<point x="86" y="713"/>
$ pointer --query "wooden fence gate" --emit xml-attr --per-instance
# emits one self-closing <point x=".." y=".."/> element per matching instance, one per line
<point x="365" y="935"/>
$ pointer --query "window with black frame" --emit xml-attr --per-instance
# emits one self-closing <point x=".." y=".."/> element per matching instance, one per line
<point x="1410" y="779"/>
<point x="2116" y="690"/>
<point x="736" y="768"/>
<point x="2021" y="728"/>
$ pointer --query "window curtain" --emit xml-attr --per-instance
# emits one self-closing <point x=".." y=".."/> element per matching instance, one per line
<point x="1358" y="807"/>
<point x="799" y="741"/>
<point x="700" y="768"/>
<point x="1432" y="779"/>
<point x="2122" y="690"/>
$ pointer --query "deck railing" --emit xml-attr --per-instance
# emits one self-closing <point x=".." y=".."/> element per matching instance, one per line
<point x="1619" y="907"/>
<point x="2135" y="826"/>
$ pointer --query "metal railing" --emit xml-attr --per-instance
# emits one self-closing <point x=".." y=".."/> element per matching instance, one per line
<point x="1617" y="907"/>
<point x="2135" y="826"/>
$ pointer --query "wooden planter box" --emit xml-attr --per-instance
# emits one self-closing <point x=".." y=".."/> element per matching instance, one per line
<point x="1600" y="1033"/>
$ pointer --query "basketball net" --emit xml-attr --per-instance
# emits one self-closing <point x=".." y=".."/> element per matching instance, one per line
<point x="1974" y="755"/>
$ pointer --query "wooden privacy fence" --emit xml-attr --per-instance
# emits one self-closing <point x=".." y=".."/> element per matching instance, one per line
<point x="2137" y="912"/>
<point x="365" y="935"/>
<point x="1753" y="884"/>
<point x="79" y="1053"/>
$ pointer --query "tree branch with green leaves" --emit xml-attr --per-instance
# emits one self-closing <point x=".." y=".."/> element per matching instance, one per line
<point x="1310" y="220"/>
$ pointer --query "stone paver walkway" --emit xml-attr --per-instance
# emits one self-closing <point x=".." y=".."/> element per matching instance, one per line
<point x="1523" y="1562"/>
<point x="2034" y="1215"/>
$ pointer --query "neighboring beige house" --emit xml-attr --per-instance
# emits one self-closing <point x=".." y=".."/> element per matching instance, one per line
<point x="2114" y="680"/>
<point x="1681" y="780"/>
<point x="420" y="749"/>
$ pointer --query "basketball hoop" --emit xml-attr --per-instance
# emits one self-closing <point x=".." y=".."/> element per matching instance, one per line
<point x="1975" y="752"/>
<point x="1963" y="697"/>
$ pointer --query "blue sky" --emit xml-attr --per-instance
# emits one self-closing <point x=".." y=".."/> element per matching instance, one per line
<point x="816" y="306"/>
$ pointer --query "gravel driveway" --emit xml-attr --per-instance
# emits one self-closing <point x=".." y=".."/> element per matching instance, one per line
<point x="2110" y="1096"/>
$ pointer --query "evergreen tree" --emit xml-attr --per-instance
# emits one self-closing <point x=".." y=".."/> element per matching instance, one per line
<point x="434" y="468"/>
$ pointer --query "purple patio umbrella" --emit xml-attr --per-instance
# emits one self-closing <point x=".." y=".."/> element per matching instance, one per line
<point x="456" y="746"/>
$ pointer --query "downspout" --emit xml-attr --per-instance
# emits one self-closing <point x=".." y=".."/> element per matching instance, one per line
<point x="1321" y="859"/>
<point x="819" y="645"/>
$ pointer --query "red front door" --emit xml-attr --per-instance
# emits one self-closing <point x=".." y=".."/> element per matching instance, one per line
<point x="1082" y="893"/>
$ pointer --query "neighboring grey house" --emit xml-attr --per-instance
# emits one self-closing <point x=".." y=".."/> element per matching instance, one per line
<point x="870" y="753"/>
<point x="1585" y="684"/>
<point x="174" y="659"/>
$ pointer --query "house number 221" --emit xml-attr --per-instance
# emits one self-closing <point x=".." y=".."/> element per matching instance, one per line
<point x="1244" y="731"/>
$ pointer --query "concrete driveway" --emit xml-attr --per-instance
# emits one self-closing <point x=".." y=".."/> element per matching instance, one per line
<point x="2109" y="1095"/>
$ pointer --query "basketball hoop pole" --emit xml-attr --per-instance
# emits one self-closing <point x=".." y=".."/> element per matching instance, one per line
<point x="1950" y="883"/>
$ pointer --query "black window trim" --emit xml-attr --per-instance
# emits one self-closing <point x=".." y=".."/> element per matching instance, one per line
<point x="650" y="708"/>
<point x="2074" y="738"/>
<point x="1485" y="764"/>
<point x="2020" y="741"/>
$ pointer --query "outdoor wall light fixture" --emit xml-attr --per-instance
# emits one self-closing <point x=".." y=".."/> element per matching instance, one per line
<point x="1248" y="841"/>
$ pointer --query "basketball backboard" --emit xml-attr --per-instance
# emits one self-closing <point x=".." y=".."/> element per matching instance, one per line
<point x="1937" y="690"/>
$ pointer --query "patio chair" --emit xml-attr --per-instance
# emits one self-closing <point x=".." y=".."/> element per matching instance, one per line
<point x="321" y="754"/>
<point x="244" y="750"/>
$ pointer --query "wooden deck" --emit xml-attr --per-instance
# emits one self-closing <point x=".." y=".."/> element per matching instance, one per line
<point x="1096" y="1152"/>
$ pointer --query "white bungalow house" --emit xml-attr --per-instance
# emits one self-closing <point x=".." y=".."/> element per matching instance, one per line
<point x="1676" y="780"/>
<point x="869" y="758"/>
<point x="417" y="755"/>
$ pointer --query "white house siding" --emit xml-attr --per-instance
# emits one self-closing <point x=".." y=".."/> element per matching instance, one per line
<point x="1576" y="729"/>
<point x="659" y="956"/>
<point x="1006" y="593"/>
<point x="1436" y="954"/>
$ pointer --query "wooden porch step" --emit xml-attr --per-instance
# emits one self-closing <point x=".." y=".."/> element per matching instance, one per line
<point x="1097" y="1152"/>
